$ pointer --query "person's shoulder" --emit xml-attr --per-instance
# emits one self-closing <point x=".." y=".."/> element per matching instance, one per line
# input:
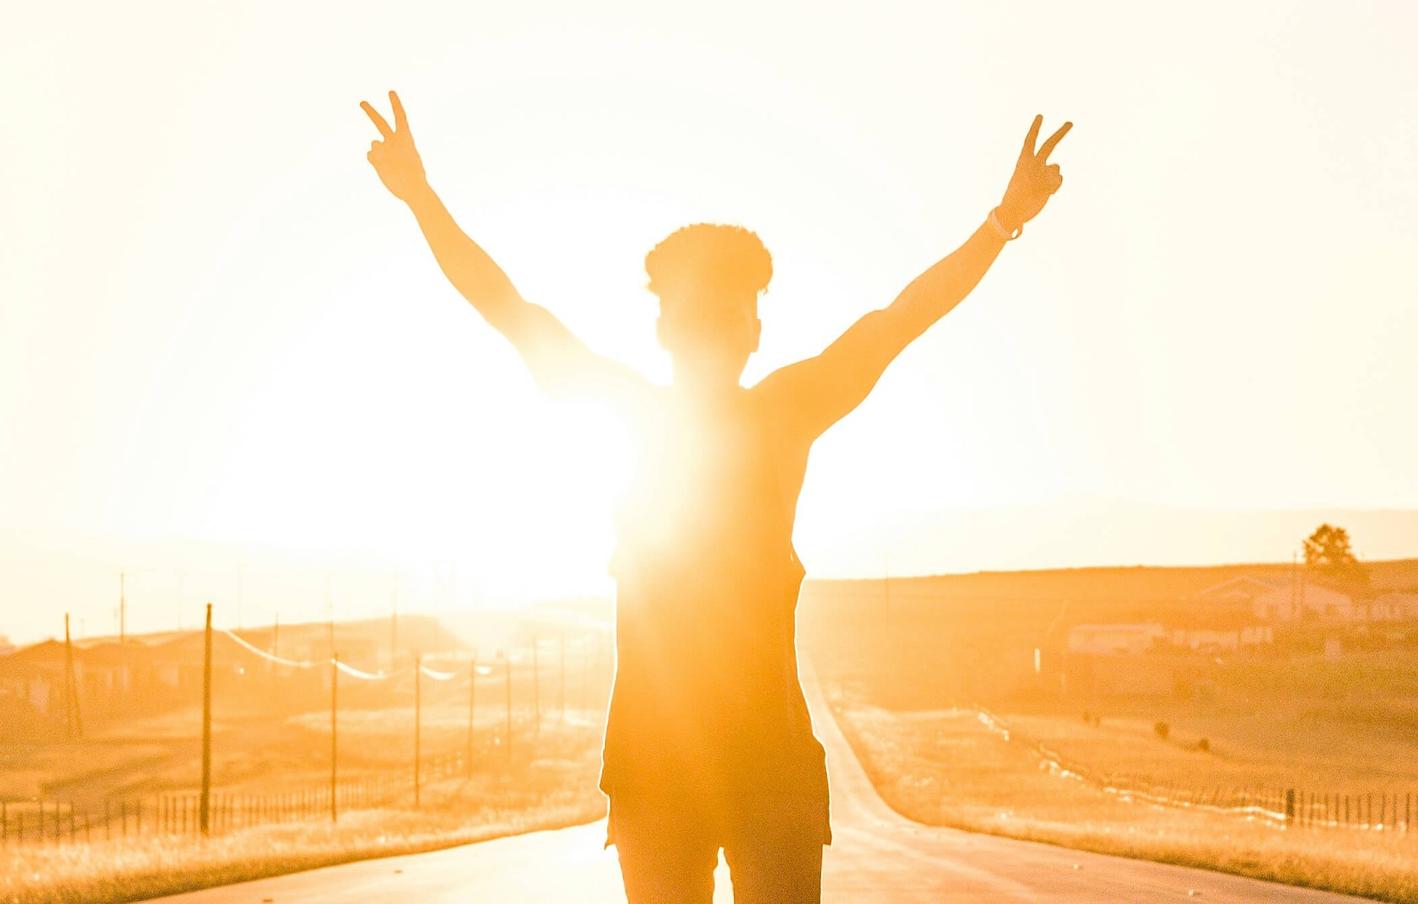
<point x="777" y="400"/>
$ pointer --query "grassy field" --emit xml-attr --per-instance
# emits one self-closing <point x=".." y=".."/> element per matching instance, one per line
<point x="943" y="767"/>
<point x="1348" y="726"/>
<point x="549" y="780"/>
<point x="263" y="748"/>
<point x="906" y="667"/>
<point x="539" y="794"/>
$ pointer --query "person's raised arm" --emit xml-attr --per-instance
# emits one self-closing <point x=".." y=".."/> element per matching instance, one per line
<point x="825" y="388"/>
<point x="559" y="361"/>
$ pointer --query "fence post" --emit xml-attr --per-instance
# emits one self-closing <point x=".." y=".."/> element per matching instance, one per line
<point x="204" y="815"/>
<point x="418" y="691"/>
<point x="1289" y="805"/>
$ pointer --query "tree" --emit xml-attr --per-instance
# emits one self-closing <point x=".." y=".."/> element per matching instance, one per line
<point x="1327" y="551"/>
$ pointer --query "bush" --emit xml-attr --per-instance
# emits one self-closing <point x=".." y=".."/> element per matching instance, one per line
<point x="1162" y="729"/>
<point x="1203" y="745"/>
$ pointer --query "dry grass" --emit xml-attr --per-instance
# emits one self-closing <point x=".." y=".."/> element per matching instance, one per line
<point x="549" y="780"/>
<point x="545" y="793"/>
<point x="942" y="767"/>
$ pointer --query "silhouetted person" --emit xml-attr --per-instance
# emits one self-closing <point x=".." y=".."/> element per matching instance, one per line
<point x="708" y="742"/>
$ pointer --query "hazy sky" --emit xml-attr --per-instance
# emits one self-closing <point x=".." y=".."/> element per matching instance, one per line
<point x="216" y="324"/>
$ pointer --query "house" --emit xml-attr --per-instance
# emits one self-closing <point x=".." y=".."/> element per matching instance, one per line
<point x="1114" y="639"/>
<point x="1221" y="633"/>
<point x="1392" y="606"/>
<point x="1298" y="599"/>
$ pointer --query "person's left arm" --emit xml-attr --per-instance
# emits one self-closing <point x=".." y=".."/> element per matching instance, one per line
<point x="826" y="387"/>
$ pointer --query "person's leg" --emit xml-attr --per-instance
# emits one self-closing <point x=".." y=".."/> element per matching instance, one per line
<point x="662" y="860"/>
<point x="779" y="861"/>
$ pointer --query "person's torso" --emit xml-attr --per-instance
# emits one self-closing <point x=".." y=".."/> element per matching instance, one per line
<point x="706" y="675"/>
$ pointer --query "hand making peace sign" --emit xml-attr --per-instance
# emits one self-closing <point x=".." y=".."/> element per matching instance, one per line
<point x="1034" y="178"/>
<point x="395" y="158"/>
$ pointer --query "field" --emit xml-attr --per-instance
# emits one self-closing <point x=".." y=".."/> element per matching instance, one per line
<point x="942" y="767"/>
<point x="910" y="668"/>
<point x="271" y="771"/>
<point x="936" y="686"/>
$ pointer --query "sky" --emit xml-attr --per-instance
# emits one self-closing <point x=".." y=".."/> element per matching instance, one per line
<point x="223" y="345"/>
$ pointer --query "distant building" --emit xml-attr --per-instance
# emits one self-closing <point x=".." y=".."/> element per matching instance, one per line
<point x="1296" y="600"/>
<point x="1394" y="606"/>
<point x="1114" y="639"/>
<point x="1222" y="639"/>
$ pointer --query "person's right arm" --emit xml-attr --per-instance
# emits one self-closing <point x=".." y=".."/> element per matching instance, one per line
<point x="560" y="362"/>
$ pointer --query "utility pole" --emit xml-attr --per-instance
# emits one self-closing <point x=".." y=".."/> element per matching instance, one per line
<point x="334" y="686"/>
<point x="205" y="810"/>
<point x="122" y="608"/>
<point x="334" y="748"/>
<point x="418" y="693"/>
<point x="73" y="723"/>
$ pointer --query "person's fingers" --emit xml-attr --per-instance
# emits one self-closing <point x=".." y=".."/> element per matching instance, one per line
<point x="401" y="122"/>
<point x="378" y="120"/>
<point x="1053" y="140"/>
<point x="375" y="144"/>
<point x="1033" y="136"/>
<point x="369" y="157"/>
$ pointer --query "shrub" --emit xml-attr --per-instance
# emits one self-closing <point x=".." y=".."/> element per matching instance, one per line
<point x="1162" y="729"/>
<point x="1203" y="745"/>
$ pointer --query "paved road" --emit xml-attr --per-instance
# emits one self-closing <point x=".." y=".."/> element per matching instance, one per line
<point x="877" y="857"/>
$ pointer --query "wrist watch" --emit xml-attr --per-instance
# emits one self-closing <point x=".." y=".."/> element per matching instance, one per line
<point x="999" y="227"/>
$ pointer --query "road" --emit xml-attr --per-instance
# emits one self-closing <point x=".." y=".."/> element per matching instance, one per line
<point x="877" y="857"/>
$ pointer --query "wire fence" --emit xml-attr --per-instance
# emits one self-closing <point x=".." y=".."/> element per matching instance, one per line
<point x="176" y="814"/>
<point x="1282" y="807"/>
<point x="214" y="811"/>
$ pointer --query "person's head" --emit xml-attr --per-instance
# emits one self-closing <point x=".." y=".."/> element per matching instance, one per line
<point x="708" y="278"/>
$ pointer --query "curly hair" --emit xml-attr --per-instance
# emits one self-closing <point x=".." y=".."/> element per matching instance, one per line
<point x="724" y="257"/>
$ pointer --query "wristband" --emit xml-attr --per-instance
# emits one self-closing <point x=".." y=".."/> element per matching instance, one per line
<point x="998" y="227"/>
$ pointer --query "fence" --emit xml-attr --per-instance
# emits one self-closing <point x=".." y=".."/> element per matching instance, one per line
<point x="211" y="811"/>
<point x="1281" y="807"/>
<point x="57" y="821"/>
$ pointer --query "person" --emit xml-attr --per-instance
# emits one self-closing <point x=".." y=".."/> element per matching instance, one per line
<point x="708" y="743"/>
